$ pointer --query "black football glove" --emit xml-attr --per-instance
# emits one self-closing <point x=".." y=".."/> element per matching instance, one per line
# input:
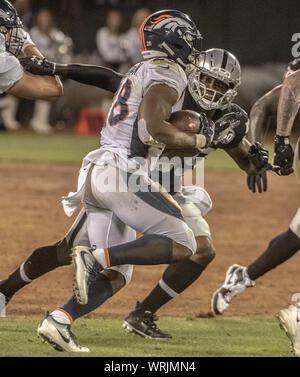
<point x="258" y="156"/>
<point x="207" y="129"/>
<point x="38" y="66"/>
<point x="257" y="177"/>
<point x="283" y="155"/>
<point x="258" y="182"/>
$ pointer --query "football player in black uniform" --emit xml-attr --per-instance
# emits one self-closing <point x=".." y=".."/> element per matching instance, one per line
<point x="283" y="100"/>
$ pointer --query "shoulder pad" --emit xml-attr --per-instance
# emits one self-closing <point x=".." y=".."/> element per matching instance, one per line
<point x="166" y="63"/>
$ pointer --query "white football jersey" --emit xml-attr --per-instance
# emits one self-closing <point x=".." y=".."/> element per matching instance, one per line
<point x="123" y="134"/>
<point x="11" y="70"/>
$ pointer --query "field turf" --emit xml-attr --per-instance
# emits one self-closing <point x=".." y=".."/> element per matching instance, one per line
<point x="232" y="337"/>
<point x="210" y="337"/>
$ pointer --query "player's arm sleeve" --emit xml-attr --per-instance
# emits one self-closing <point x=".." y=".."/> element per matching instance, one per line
<point x="11" y="72"/>
<point x="101" y="77"/>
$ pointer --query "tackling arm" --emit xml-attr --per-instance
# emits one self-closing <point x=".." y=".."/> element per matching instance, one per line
<point x="260" y="113"/>
<point x="289" y="103"/>
<point x="253" y="159"/>
<point x="101" y="77"/>
<point x="288" y="107"/>
<point x="35" y="87"/>
<point x="240" y="155"/>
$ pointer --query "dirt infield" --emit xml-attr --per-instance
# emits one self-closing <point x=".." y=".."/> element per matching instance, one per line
<point x="242" y="224"/>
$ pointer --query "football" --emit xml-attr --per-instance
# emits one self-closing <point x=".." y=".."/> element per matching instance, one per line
<point x="186" y="120"/>
<point x="189" y="122"/>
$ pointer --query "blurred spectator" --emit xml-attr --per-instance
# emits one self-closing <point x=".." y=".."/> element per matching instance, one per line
<point x="132" y="38"/>
<point x="56" y="46"/>
<point x="51" y="41"/>
<point x="109" y="41"/>
<point x="23" y="8"/>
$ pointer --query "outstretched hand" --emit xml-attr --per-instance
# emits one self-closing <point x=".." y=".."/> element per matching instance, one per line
<point x="38" y="66"/>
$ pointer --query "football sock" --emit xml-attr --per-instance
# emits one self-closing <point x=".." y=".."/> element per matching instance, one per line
<point x="280" y="249"/>
<point x="147" y="250"/>
<point x="176" y="278"/>
<point x="62" y="316"/>
<point x="99" y="291"/>
<point x="47" y="258"/>
<point x="41" y="261"/>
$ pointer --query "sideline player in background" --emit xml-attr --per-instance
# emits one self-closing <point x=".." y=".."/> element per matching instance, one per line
<point x="15" y="42"/>
<point x="285" y="245"/>
<point x="226" y="114"/>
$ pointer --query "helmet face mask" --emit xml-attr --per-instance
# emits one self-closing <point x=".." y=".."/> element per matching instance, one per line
<point x="10" y="25"/>
<point x="14" y="40"/>
<point x="220" y="65"/>
<point x="170" y="34"/>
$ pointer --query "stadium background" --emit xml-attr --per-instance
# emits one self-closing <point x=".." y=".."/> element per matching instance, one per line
<point x="256" y="31"/>
<point x="36" y="170"/>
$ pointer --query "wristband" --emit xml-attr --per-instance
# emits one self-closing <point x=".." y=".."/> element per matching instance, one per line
<point x="200" y="141"/>
<point x="282" y="140"/>
<point x="60" y="69"/>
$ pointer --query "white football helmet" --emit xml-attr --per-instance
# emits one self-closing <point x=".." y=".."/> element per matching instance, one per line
<point x="219" y="64"/>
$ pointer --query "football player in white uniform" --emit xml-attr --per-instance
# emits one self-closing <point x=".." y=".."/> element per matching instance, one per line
<point x="215" y="65"/>
<point x="15" y="42"/>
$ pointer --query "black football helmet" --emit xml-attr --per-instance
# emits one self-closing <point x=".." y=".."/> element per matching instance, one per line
<point x="10" y="24"/>
<point x="172" y="34"/>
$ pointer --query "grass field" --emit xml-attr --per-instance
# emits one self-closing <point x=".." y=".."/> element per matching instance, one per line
<point x="191" y="338"/>
<point x="68" y="148"/>
<point x="232" y="337"/>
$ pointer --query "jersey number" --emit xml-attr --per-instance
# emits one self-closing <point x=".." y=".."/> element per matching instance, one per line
<point x="120" y="109"/>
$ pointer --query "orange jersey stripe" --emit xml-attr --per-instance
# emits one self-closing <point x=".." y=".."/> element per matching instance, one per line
<point x="107" y="257"/>
<point x="173" y="204"/>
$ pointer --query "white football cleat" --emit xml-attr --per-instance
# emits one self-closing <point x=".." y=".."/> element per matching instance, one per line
<point x="290" y="322"/>
<point x="2" y="305"/>
<point x="236" y="281"/>
<point x="86" y="270"/>
<point x="59" y="335"/>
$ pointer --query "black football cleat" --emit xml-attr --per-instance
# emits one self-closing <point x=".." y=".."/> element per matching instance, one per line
<point x="141" y="322"/>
